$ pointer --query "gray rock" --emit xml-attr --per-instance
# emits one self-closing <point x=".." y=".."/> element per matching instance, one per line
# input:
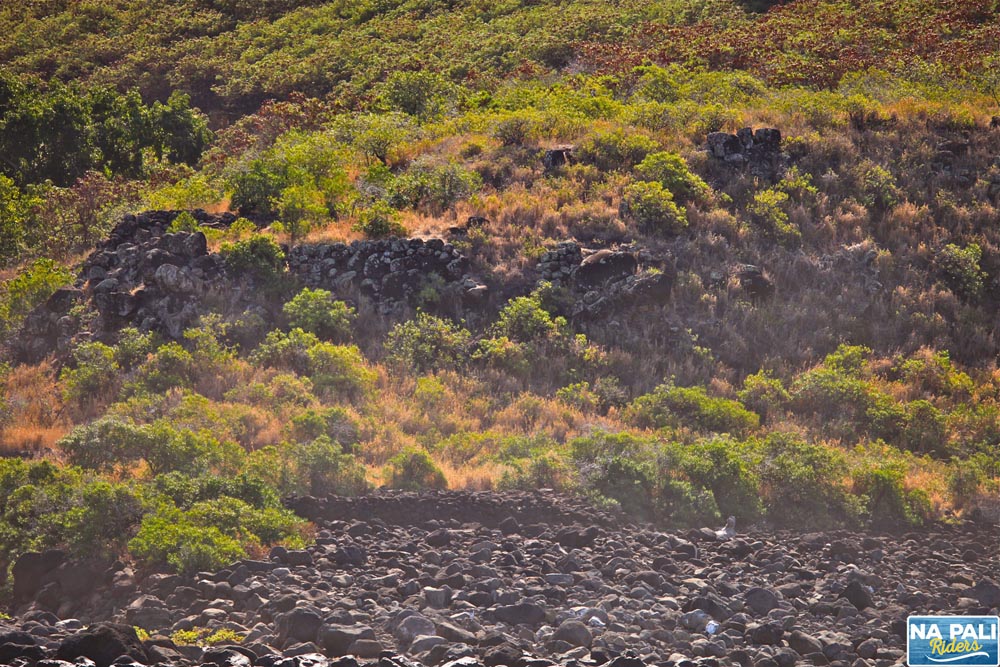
<point x="573" y="632"/>
<point x="526" y="613"/>
<point x="338" y="639"/>
<point x="761" y="600"/>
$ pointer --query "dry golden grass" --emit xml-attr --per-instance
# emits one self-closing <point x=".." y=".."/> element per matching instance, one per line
<point x="37" y="419"/>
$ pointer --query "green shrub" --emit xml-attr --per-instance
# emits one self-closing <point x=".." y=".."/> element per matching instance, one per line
<point x="255" y="188"/>
<point x="764" y="394"/>
<point x="925" y="430"/>
<point x="333" y="422"/>
<point x="628" y="482"/>
<point x="259" y="256"/>
<point x="615" y="149"/>
<point x="184" y="222"/>
<point x="316" y="311"/>
<point x="504" y="354"/>
<point x="171" y="366"/>
<point x="524" y="319"/>
<point x="671" y="406"/>
<point x="328" y="470"/>
<point x="887" y="503"/>
<point x="106" y="444"/>
<point x="959" y="268"/>
<point x="428" y="343"/>
<point x="653" y="208"/>
<point x="880" y="192"/>
<point x="133" y="348"/>
<point x="94" y="377"/>
<point x="803" y="483"/>
<point x="722" y="467"/>
<point x="682" y="504"/>
<point x="289" y="351"/>
<point x="341" y="370"/>
<point x="542" y="471"/>
<point x="186" y="490"/>
<point x="102" y="519"/>
<point x="168" y="537"/>
<point x="414" y="470"/>
<point x="378" y="221"/>
<point x="419" y="93"/>
<point x="440" y="187"/>
<point x="768" y="210"/>
<point x="671" y="171"/>
<point x="28" y="289"/>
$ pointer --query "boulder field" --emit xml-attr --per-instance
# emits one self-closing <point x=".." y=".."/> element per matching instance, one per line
<point x="526" y="579"/>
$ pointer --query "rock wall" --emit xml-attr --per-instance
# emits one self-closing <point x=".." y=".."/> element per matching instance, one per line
<point x="604" y="281"/>
<point x="139" y="276"/>
<point x="759" y="151"/>
<point x="485" y="508"/>
<point x="391" y="271"/>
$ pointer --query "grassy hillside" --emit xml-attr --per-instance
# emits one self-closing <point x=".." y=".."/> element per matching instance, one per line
<point x="850" y="378"/>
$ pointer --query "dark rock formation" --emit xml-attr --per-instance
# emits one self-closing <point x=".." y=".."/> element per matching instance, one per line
<point x="557" y="157"/>
<point x="389" y="271"/>
<point x="758" y="151"/>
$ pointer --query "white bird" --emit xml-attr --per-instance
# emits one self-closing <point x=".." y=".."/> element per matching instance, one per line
<point x="729" y="531"/>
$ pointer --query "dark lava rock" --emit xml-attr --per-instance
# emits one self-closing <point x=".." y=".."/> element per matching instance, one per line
<point x="103" y="644"/>
<point x="338" y="639"/>
<point x="574" y="633"/>
<point x="858" y="595"/>
<point x="768" y="633"/>
<point x="524" y="612"/>
<point x="988" y="594"/>
<point x="30" y="571"/>
<point x="761" y="600"/>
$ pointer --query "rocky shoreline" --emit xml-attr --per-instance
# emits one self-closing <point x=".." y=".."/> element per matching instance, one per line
<point x="521" y="579"/>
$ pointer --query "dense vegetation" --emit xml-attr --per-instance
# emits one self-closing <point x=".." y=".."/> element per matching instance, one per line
<point x="863" y="391"/>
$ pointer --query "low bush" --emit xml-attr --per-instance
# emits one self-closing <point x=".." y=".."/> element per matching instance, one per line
<point x="959" y="268"/>
<point x="653" y="208"/>
<point x="317" y="311"/>
<point x="672" y="406"/>
<point x="258" y="256"/>
<point x="379" y="220"/>
<point x="672" y="172"/>
<point x="428" y="343"/>
<point x="414" y="470"/>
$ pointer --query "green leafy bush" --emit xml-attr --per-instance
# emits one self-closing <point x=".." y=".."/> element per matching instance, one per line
<point x="316" y="311"/>
<point x="414" y="470"/>
<point x="764" y="394"/>
<point x="615" y="149"/>
<point x="258" y="256"/>
<point x="671" y="406"/>
<point x="428" y="343"/>
<point x="524" y="319"/>
<point x="94" y="376"/>
<point x="168" y="537"/>
<point x="672" y="172"/>
<point x="379" y="220"/>
<point x="289" y="351"/>
<point x="803" y="483"/>
<point x="959" y="267"/>
<point x="28" y="289"/>
<point x="768" y="210"/>
<point x="887" y="503"/>
<point x="653" y="208"/>
<point x="340" y="370"/>
<point x="334" y="423"/>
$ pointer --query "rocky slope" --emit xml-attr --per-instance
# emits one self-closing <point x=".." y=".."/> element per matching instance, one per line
<point x="521" y="579"/>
